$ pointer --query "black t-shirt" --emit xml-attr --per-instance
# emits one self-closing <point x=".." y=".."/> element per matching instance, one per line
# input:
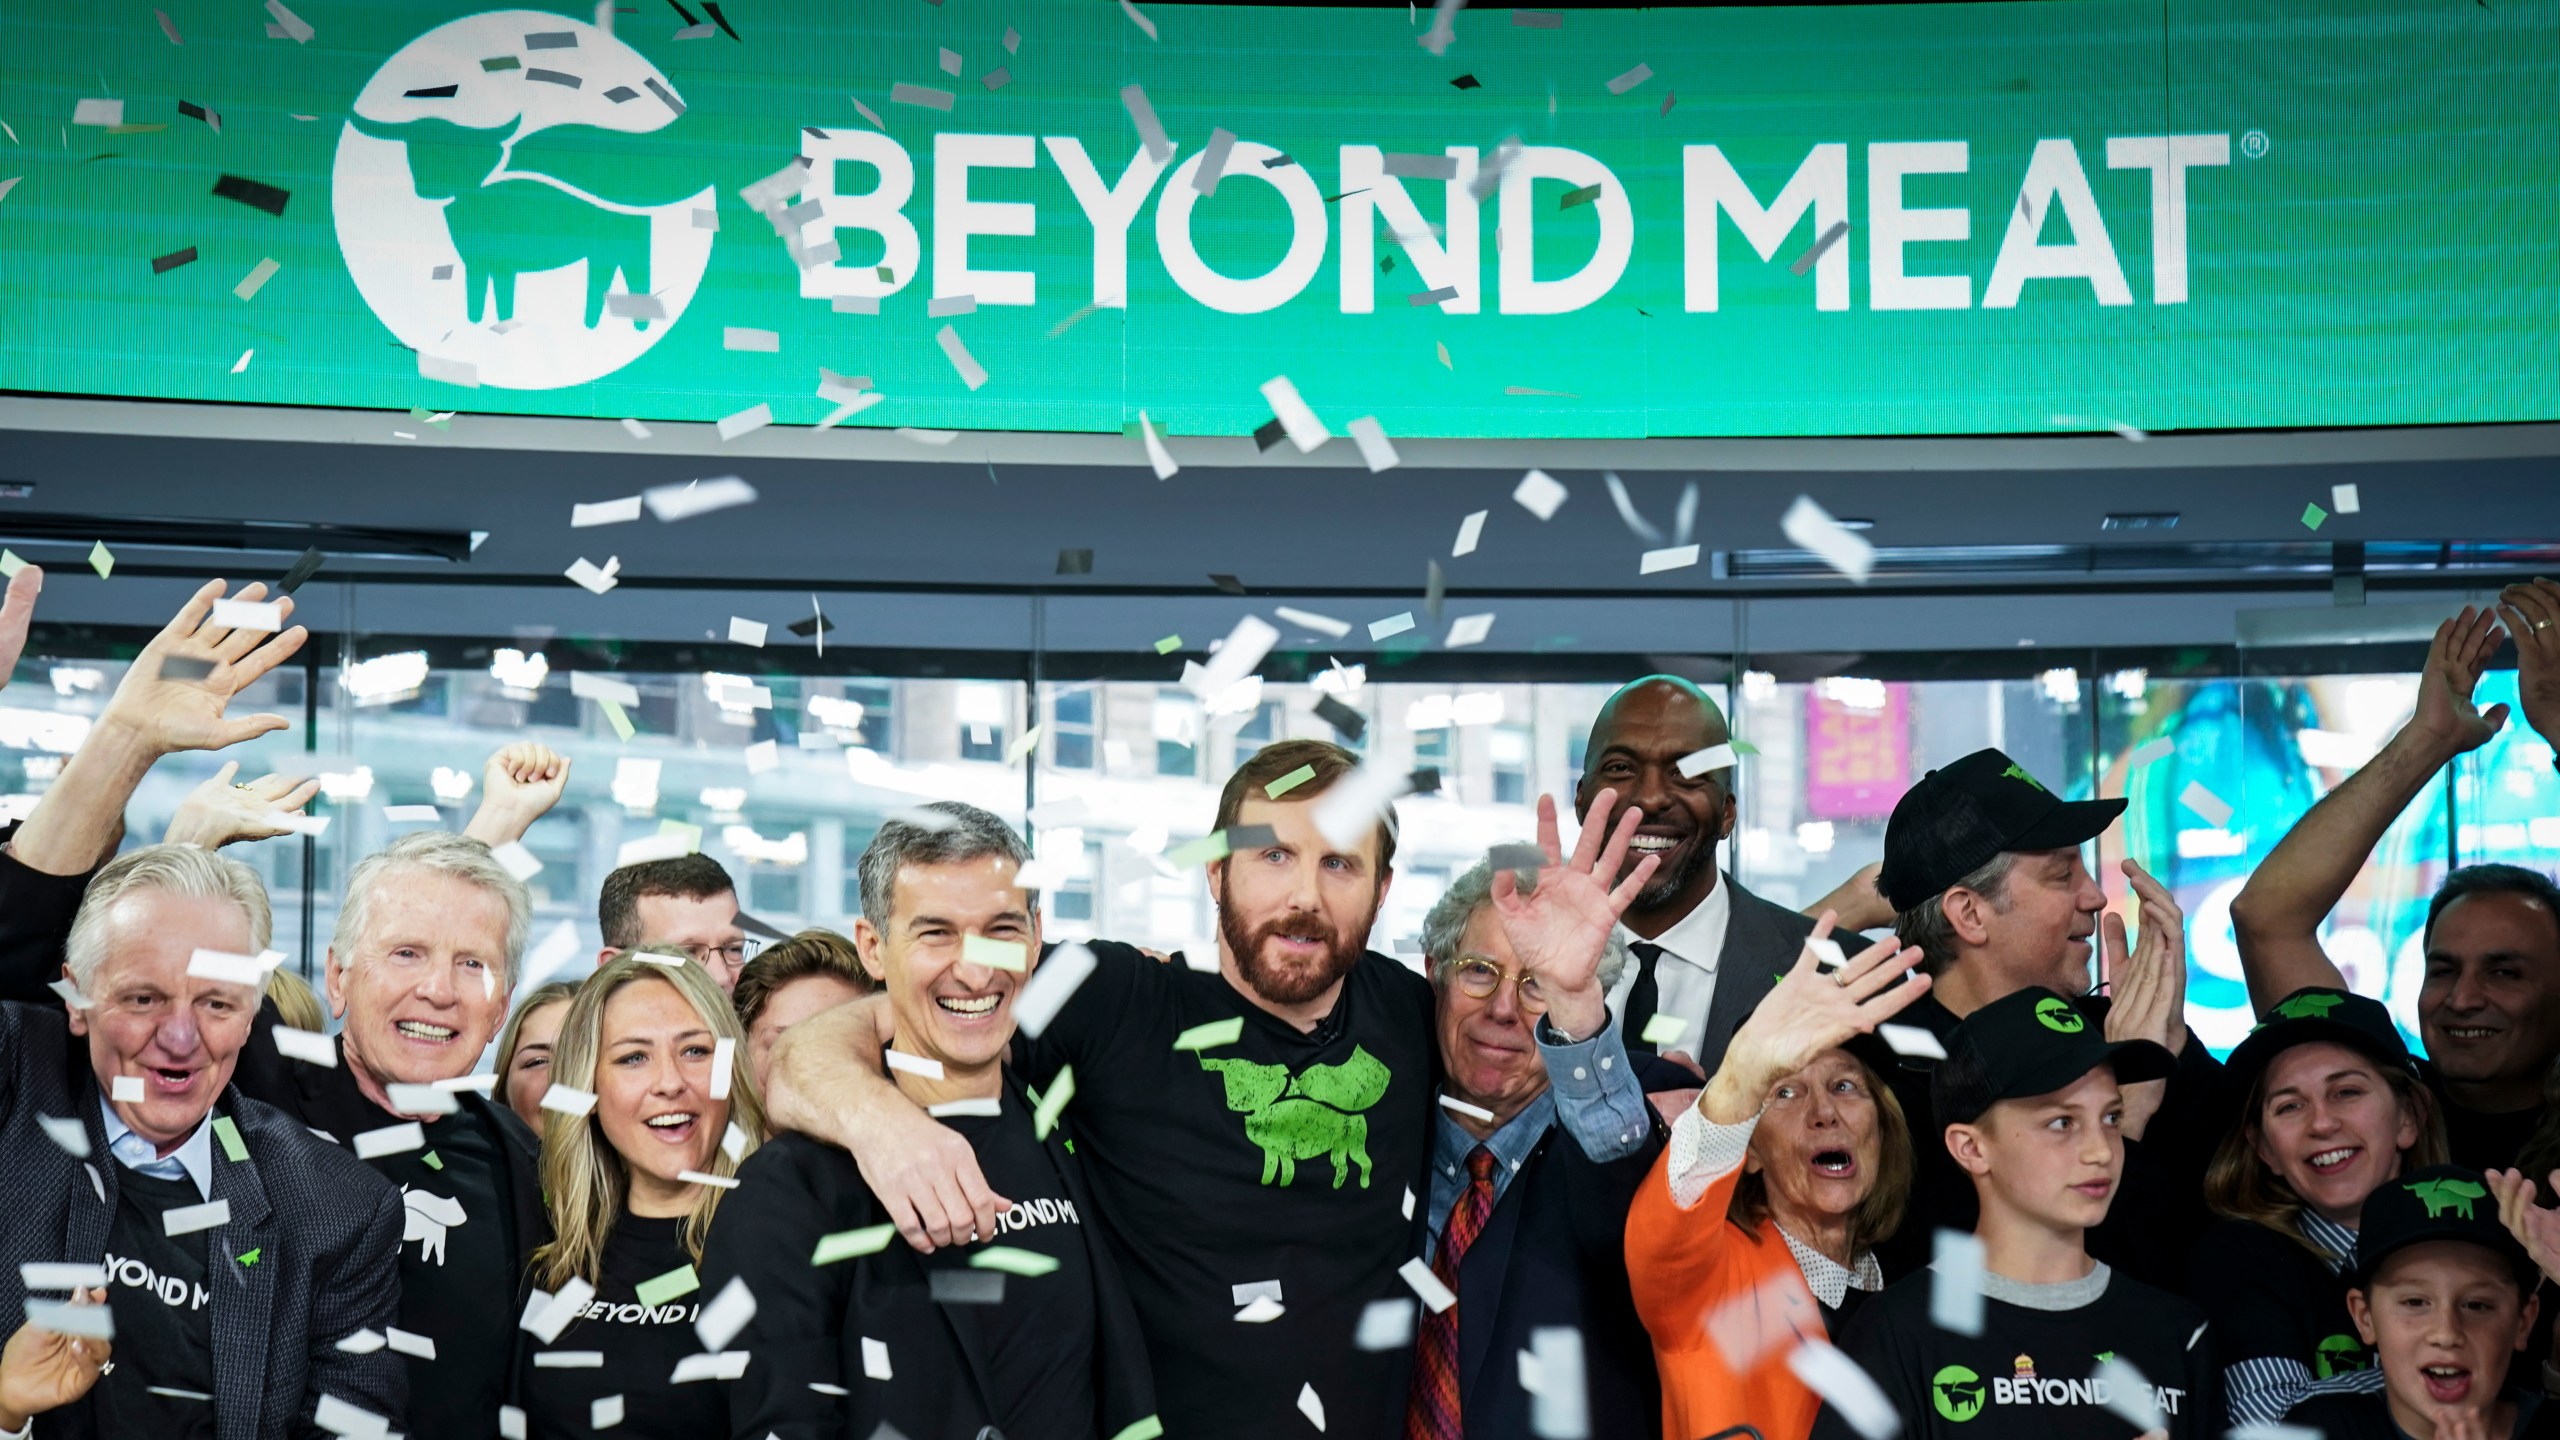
<point x="2481" y="1139"/>
<point x="1280" y="1156"/>
<point x="2368" y="1417"/>
<point x="1039" y="1342"/>
<point x="2270" y="1298"/>
<point x="457" y="1273"/>
<point x="640" y="1345"/>
<point x="2027" y="1375"/>
<point x="164" y="1320"/>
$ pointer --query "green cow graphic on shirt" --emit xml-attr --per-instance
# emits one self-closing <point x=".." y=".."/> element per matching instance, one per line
<point x="2442" y="1195"/>
<point x="1314" y="1114"/>
<point x="1956" y="1390"/>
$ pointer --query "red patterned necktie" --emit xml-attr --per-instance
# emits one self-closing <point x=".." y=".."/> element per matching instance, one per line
<point x="1431" y="1412"/>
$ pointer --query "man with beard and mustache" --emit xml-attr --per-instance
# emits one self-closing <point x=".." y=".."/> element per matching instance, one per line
<point x="1255" y="1137"/>
<point x="1705" y="952"/>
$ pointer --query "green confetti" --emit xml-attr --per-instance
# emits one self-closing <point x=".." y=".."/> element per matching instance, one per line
<point x="503" y="62"/>
<point x="1289" y="782"/>
<point x="691" y="835"/>
<point x="2312" y="516"/>
<point x="1743" y="747"/>
<point x="1663" y="1030"/>
<point x="679" y="1281"/>
<point x="621" y="723"/>
<point x="251" y="1258"/>
<point x="1061" y="1090"/>
<point x="888" y="276"/>
<point x="1150" y="1428"/>
<point x="1200" y="851"/>
<point x="1013" y="1260"/>
<point x="1584" y="196"/>
<point x="1211" y="1035"/>
<point x="1013" y="955"/>
<point x="1165" y="646"/>
<point x="10" y="565"/>
<point x="101" y="559"/>
<point x="850" y="1244"/>
<point x="233" y="1147"/>
<point x="433" y="1162"/>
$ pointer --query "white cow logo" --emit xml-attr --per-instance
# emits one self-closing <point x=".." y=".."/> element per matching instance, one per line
<point x="429" y="1217"/>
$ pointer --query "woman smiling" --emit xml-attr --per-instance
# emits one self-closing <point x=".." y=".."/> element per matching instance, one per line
<point x="654" y="1042"/>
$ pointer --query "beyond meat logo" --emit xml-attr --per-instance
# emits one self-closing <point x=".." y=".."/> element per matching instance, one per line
<point x="1312" y="1115"/>
<point x="499" y="211"/>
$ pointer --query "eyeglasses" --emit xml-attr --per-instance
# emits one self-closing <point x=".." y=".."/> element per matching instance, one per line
<point x="1479" y="979"/>
<point x="732" y="954"/>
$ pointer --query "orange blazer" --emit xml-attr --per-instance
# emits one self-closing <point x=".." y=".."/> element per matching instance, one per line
<point x="1708" y="1288"/>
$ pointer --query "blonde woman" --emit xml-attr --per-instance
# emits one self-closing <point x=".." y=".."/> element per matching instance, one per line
<point x="644" y="1037"/>
<point x="524" y="1049"/>
<point x="2325" y="1108"/>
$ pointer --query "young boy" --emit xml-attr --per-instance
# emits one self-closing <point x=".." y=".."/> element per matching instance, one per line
<point x="2030" y="1095"/>
<point x="2444" y="1295"/>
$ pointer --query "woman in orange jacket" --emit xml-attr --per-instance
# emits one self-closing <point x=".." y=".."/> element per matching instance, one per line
<point x="1755" y="1227"/>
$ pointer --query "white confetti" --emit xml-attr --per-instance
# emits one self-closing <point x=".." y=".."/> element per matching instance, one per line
<point x="301" y="32"/>
<point x="1468" y="630"/>
<point x="1470" y="530"/>
<point x="1676" y="557"/>
<point x="2344" y="500"/>
<point x="1385" y="1324"/>
<point x="1560" y="1408"/>
<point x="590" y="685"/>
<point x="363" y="1342"/>
<point x="390" y="1140"/>
<point x="971" y="373"/>
<point x="1911" y="1040"/>
<point x="125" y="1089"/>
<point x="421" y="1100"/>
<point x="747" y="421"/>
<point x="1304" y="429"/>
<point x="263" y="616"/>
<point x="1540" y="493"/>
<point x="1392" y="625"/>
<point x="224" y="969"/>
<point x="724" y="1365"/>
<point x="519" y="861"/>
<point x="741" y="337"/>
<point x="604" y="512"/>
<point x="402" y="1342"/>
<point x="188" y="1219"/>
<point x="1621" y="84"/>
<point x="61" y="1275"/>
<point x="875" y="1359"/>
<point x="604" y="1413"/>
<point x="1376" y="450"/>
<point x="594" y="579"/>
<point x="1310" y="1404"/>
<point x="1699" y="762"/>
<point x="671" y="503"/>
<point x="86" y="1322"/>
<point x="743" y="631"/>
<point x="1310" y="620"/>
<point x="724" y="1064"/>
<point x="1346" y="813"/>
<point x="568" y="1099"/>
<point x="1456" y="1106"/>
<point x="917" y="1065"/>
<point x="2128" y="1394"/>
<point x="1133" y="98"/>
<point x="1261" y="1310"/>
<point x="1811" y="527"/>
<point x="308" y="1046"/>
<point x="1157" y="455"/>
<point x="1845" y="1388"/>
<point x="1955" y="1272"/>
<point x="2215" y="810"/>
<point x="726" y="1315"/>
<point x="1052" y="981"/>
<point x="66" y="1133"/>
<point x="1426" y="1285"/>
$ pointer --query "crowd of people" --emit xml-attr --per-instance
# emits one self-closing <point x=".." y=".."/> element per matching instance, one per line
<point x="1635" y="1153"/>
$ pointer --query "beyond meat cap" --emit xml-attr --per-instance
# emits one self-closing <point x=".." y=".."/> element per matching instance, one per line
<point x="2027" y="1043"/>
<point x="1958" y="817"/>
<point x="2313" y="1013"/>
<point x="2441" y="1202"/>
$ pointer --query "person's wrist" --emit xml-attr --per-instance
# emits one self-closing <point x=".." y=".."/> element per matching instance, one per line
<point x="118" y="736"/>
<point x="1578" y="1015"/>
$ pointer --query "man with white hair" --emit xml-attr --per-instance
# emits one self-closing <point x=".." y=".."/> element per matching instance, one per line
<point x="429" y="933"/>
<point x="239" y="1257"/>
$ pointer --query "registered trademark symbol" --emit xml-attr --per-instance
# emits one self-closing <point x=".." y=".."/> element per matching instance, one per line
<point x="2254" y="144"/>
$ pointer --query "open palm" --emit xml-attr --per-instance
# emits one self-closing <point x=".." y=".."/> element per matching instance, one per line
<point x="175" y="695"/>
<point x="1560" y="929"/>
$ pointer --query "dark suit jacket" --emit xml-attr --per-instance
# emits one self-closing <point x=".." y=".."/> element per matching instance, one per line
<point x="810" y="1320"/>
<point x="1761" y="942"/>
<point x="1554" y="1253"/>
<point x="326" y="1229"/>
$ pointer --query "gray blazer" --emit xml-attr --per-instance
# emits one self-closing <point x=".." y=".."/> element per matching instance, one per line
<point x="1761" y="941"/>
<point x="325" y="1226"/>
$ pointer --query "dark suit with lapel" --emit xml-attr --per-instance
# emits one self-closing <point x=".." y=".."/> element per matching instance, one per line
<point x="810" y="1320"/>
<point x="1761" y="942"/>
<point x="1553" y="1253"/>
<point x="326" y="1230"/>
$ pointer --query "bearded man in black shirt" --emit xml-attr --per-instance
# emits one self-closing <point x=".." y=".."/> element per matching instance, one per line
<point x="237" y="1258"/>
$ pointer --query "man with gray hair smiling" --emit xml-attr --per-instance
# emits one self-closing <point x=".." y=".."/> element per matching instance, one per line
<point x="238" y="1256"/>
<point x="1524" y="1225"/>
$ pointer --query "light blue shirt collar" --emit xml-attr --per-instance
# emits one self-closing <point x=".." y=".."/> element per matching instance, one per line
<point x="1511" y="1145"/>
<point x="194" y="1159"/>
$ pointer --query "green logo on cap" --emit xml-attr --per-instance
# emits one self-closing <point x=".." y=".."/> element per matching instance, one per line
<point x="2442" y="1195"/>
<point x="2056" y="1014"/>
<point x="2310" y="1007"/>
<point x="2019" y="772"/>
<point x="1957" y="1392"/>
<point x="2340" y="1355"/>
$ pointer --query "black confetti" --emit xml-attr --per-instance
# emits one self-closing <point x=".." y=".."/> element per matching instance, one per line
<point x="173" y="260"/>
<point x="1227" y="584"/>
<point x="253" y="193"/>
<point x="1075" y="562"/>
<point x="552" y="40"/>
<point x="554" y="77"/>
<point x="1350" y="724"/>
<point x="620" y="93"/>
<point x="965" y="1287"/>
<point x="432" y="92"/>
<point x="1251" y="837"/>
<point x="1268" y="434"/>
<point x="720" y="20"/>
<point x="303" y="569"/>
<point x="1277" y="161"/>
<point x="808" y="629"/>
<point x="687" y="14"/>
<point x="1467" y="82"/>
<point x="1426" y="781"/>
<point x="664" y="96"/>
<point x="754" y="926"/>
<point x="182" y="667"/>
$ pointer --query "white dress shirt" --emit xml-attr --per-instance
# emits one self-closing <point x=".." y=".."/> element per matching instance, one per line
<point x="193" y="1158"/>
<point x="1686" y="973"/>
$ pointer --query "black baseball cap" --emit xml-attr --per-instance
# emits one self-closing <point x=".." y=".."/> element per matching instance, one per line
<point x="2313" y="1013"/>
<point x="1960" y="816"/>
<point x="2026" y="1043"/>
<point x="2441" y="1202"/>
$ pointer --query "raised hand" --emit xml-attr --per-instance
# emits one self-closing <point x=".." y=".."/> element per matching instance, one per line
<point x="2535" y="1228"/>
<point x="519" y="785"/>
<point x="2532" y="613"/>
<point x="175" y="694"/>
<point x="218" y="812"/>
<point x="2148" y="986"/>
<point x="41" y="1371"/>
<point x="1560" y="930"/>
<point x="1807" y="1012"/>
<point x="2460" y="651"/>
<point x="17" y="612"/>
